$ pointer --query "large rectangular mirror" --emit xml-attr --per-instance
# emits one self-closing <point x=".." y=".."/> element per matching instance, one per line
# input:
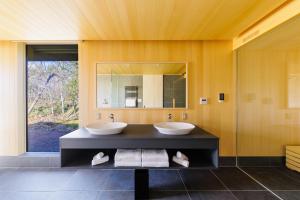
<point x="141" y="85"/>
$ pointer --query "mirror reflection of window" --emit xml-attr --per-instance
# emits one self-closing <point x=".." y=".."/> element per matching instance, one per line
<point x="104" y="91"/>
<point x="153" y="91"/>
<point x="174" y="91"/>
<point x="141" y="85"/>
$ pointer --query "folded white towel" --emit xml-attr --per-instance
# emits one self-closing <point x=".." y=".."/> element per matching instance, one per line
<point x="181" y="156"/>
<point x="155" y="158"/>
<point x="130" y="102"/>
<point x="128" y="154"/>
<point x="128" y="163"/>
<point x="128" y="157"/>
<point x="99" y="155"/>
<point x="97" y="161"/>
<point x="155" y="164"/>
<point x="155" y="155"/>
<point x="182" y="162"/>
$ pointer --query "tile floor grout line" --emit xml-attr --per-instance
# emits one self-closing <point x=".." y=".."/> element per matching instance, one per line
<point x="190" y="198"/>
<point x="258" y="182"/>
<point x="223" y="184"/>
<point x="229" y="190"/>
<point x="194" y="190"/>
<point x="106" y="190"/>
<point x="70" y="178"/>
<point x="169" y="190"/>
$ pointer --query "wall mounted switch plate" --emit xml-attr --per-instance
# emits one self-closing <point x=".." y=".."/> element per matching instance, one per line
<point x="203" y="101"/>
<point x="221" y="97"/>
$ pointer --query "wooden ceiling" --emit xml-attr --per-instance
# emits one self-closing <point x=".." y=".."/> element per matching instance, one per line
<point x="141" y="68"/>
<point x="130" y="19"/>
<point x="284" y="37"/>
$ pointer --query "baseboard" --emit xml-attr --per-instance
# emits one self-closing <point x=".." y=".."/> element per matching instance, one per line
<point x="227" y="161"/>
<point x="49" y="160"/>
<point x="263" y="161"/>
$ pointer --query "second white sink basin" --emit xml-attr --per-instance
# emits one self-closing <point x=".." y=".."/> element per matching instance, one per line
<point x="174" y="128"/>
<point x="107" y="128"/>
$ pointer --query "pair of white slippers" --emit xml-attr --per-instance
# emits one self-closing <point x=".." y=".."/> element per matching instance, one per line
<point x="99" y="158"/>
<point x="181" y="159"/>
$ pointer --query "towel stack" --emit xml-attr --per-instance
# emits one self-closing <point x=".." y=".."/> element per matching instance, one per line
<point x="181" y="159"/>
<point x="155" y="158"/>
<point x="128" y="158"/>
<point x="141" y="158"/>
<point x="99" y="158"/>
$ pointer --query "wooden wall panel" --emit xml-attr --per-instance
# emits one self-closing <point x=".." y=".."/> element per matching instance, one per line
<point x="218" y="76"/>
<point x="12" y="101"/>
<point x="210" y="72"/>
<point x="266" y="123"/>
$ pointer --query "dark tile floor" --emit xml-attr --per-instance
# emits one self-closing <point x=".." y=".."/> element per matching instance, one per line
<point x="95" y="184"/>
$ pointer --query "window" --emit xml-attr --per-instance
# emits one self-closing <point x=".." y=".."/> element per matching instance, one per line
<point x="52" y="95"/>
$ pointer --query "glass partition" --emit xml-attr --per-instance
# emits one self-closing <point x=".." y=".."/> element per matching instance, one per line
<point x="268" y="87"/>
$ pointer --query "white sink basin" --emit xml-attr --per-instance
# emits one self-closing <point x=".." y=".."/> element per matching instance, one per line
<point x="174" y="128"/>
<point x="107" y="128"/>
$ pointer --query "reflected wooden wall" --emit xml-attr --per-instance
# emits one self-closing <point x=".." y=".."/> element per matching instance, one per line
<point x="266" y="121"/>
<point x="210" y="71"/>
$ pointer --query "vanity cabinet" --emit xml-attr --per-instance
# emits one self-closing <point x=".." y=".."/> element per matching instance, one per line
<point x="78" y="148"/>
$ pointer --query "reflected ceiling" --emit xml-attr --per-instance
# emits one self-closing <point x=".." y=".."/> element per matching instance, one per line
<point x="141" y="68"/>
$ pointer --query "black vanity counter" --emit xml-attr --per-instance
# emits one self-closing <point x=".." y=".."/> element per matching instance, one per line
<point x="78" y="147"/>
<point x="139" y="136"/>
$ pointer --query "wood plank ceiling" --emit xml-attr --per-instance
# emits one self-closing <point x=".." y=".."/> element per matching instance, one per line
<point x="129" y="19"/>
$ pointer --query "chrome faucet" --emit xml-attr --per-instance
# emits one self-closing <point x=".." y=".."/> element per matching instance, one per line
<point x="112" y="117"/>
<point x="170" y="116"/>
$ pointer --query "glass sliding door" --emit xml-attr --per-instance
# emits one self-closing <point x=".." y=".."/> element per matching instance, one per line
<point x="52" y="95"/>
<point x="269" y="96"/>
